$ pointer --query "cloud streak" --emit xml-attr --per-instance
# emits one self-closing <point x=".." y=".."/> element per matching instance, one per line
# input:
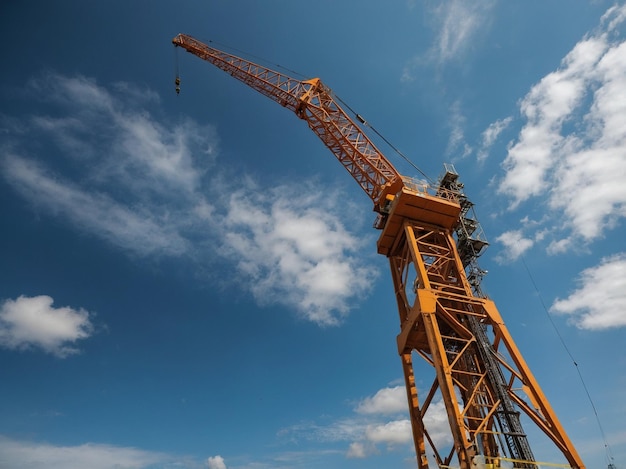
<point x="138" y="230"/>
<point x="19" y="454"/>
<point x="456" y="24"/>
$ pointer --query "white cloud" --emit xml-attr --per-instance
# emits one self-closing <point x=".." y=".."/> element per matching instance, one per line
<point x="391" y="433"/>
<point x="436" y="421"/>
<point x="600" y="301"/>
<point x="546" y="108"/>
<point x="490" y="135"/>
<point x="294" y="249"/>
<point x="216" y="462"/>
<point x="135" y="229"/>
<point x="114" y="171"/>
<point x="457" y="137"/>
<point x="559" y="246"/>
<point x="380" y="420"/>
<point x="115" y="124"/>
<point x="29" y="322"/>
<point x="30" y="455"/>
<point x="515" y="245"/>
<point x="129" y="173"/>
<point x="570" y="150"/>
<point x="357" y="450"/>
<point x="385" y="401"/>
<point x="457" y="24"/>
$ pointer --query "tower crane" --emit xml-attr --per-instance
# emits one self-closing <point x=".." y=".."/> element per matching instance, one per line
<point x="431" y="239"/>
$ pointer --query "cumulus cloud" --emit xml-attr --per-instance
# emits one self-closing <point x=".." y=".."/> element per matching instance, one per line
<point x="391" y="433"/>
<point x="515" y="244"/>
<point x="570" y="149"/>
<point x="546" y="108"/>
<point x="379" y="421"/>
<point x="18" y="454"/>
<point x="32" y="322"/>
<point x="386" y="401"/>
<point x="357" y="450"/>
<point x="216" y="462"/>
<point x="600" y="300"/>
<point x="294" y="249"/>
<point x="100" y="159"/>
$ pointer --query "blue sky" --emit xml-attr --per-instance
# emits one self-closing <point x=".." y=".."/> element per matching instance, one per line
<point x="192" y="281"/>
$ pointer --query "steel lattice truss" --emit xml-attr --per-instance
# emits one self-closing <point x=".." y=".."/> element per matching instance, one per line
<point x="480" y="374"/>
<point x="312" y="101"/>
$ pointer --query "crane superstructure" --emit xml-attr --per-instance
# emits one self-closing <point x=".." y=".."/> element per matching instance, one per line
<point x="432" y="240"/>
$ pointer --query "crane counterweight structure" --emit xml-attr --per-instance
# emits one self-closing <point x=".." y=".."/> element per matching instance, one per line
<point x="432" y="242"/>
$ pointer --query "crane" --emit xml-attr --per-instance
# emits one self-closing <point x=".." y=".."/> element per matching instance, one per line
<point x="432" y="240"/>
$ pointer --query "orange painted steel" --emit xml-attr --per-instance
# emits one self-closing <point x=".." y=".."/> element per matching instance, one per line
<point x="439" y="319"/>
<point x="479" y="373"/>
<point x="312" y="101"/>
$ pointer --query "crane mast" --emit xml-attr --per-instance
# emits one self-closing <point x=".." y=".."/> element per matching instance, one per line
<point x="431" y="242"/>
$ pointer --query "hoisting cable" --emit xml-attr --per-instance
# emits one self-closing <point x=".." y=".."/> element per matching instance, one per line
<point x="300" y="75"/>
<point x="607" y="448"/>
<point x="256" y="57"/>
<point x="176" y="74"/>
<point x="402" y="155"/>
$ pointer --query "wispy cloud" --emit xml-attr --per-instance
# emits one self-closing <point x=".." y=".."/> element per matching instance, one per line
<point x="99" y="159"/>
<point x="19" y="454"/>
<point x="457" y="24"/>
<point x="600" y="300"/>
<point x="33" y="322"/>
<point x="490" y="135"/>
<point x="136" y="229"/>
<point x="457" y="146"/>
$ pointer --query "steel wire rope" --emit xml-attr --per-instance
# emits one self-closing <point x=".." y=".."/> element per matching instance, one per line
<point x="609" y="455"/>
<point x="354" y="113"/>
<point x="393" y="147"/>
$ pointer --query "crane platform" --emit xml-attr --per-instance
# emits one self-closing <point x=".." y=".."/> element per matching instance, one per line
<point x="415" y="203"/>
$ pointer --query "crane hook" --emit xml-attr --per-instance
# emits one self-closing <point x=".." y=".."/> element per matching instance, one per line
<point x="177" y="82"/>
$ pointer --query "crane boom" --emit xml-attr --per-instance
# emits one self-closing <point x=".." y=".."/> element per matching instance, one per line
<point x="312" y="101"/>
<point x="432" y="243"/>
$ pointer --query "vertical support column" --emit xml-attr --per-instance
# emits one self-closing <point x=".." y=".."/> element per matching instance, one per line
<point x="420" y="331"/>
<point x="417" y="423"/>
<point x="462" y="447"/>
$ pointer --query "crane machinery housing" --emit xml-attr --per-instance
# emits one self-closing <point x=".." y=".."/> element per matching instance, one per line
<point x="432" y="241"/>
